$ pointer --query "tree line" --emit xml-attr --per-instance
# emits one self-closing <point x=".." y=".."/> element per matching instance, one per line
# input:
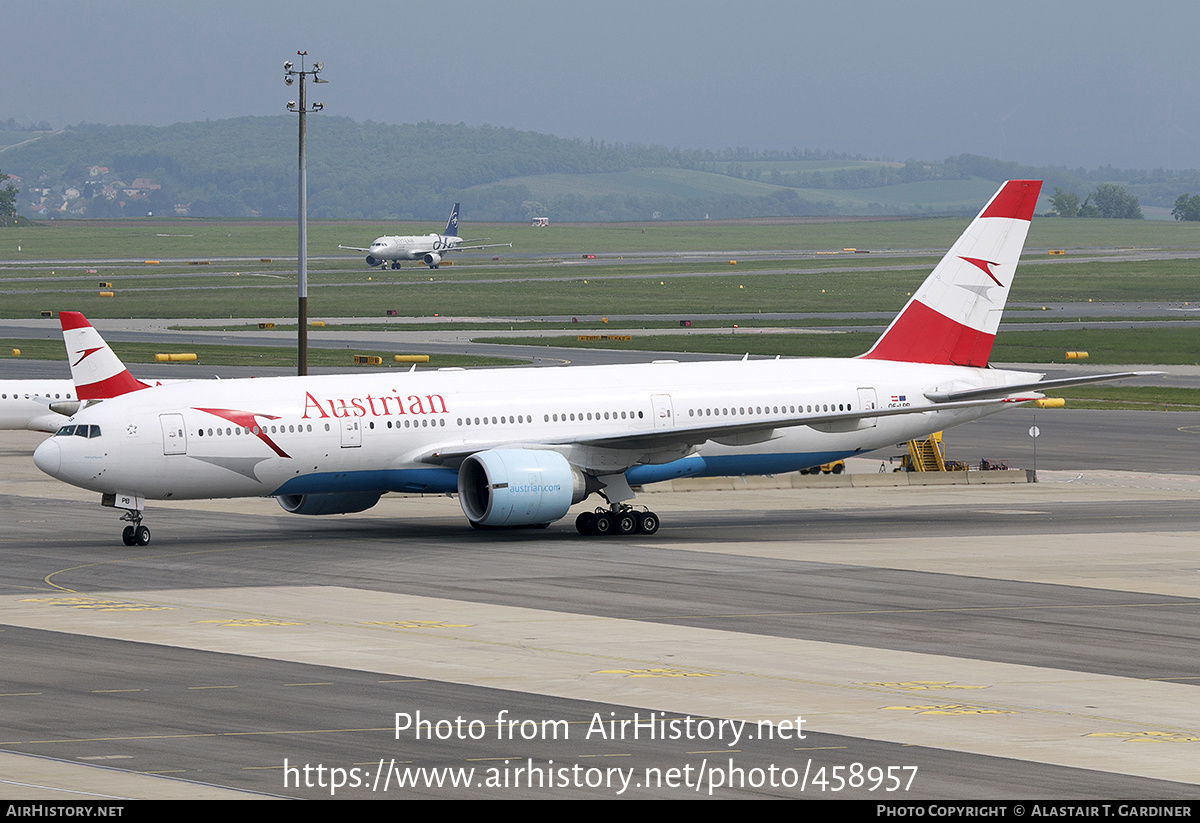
<point x="1108" y="200"/>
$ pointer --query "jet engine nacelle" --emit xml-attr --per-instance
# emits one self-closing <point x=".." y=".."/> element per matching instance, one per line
<point x="372" y="260"/>
<point x="431" y="259"/>
<point x="518" y="487"/>
<point x="343" y="503"/>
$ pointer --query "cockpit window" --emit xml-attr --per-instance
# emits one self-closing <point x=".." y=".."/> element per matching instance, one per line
<point x="65" y="431"/>
<point x="78" y="431"/>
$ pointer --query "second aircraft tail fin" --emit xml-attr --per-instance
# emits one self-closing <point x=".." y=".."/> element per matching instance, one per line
<point x="97" y="371"/>
<point x="452" y="223"/>
<point x="952" y="319"/>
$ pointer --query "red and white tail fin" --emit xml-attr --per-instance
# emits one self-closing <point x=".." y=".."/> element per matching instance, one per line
<point x="97" y="371"/>
<point x="952" y="319"/>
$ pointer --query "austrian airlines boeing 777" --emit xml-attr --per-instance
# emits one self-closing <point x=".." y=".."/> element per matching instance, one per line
<point x="520" y="446"/>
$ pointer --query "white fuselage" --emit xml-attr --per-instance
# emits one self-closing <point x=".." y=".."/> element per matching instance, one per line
<point x="412" y="247"/>
<point x="26" y="404"/>
<point x="401" y="431"/>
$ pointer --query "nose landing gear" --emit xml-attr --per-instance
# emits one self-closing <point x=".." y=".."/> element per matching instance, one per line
<point x="135" y="534"/>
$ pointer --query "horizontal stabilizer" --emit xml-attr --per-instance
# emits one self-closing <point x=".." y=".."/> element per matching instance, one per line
<point x="1039" y="386"/>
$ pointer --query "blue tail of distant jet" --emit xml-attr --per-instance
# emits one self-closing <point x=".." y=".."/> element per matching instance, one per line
<point x="452" y="223"/>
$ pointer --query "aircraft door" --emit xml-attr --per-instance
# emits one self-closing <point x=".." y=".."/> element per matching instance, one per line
<point x="664" y="415"/>
<point x="868" y="402"/>
<point x="351" y="433"/>
<point x="174" y="433"/>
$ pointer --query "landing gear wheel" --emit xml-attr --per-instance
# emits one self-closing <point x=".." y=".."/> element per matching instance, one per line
<point x="141" y="536"/>
<point x="583" y="523"/>
<point x="603" y="524"/>
<point x="648" y="523"/>
<point x="127" y="536"/>
<point x="627" y="523"/>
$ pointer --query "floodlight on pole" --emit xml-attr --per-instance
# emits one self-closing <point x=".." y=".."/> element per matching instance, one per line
<point x="290" y="73"/>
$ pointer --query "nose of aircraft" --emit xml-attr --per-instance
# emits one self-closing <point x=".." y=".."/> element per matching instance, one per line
<point x="48" y="457"/>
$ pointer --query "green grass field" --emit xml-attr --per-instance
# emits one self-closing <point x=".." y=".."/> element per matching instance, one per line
<point x="225" y="355"/>
<point x="669" y="289"/>
<point x="93" y="241"/>
<point x="555" y="280"/>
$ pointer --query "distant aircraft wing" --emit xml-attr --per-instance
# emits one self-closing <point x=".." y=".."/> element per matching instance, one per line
<point x="351" y="248"/>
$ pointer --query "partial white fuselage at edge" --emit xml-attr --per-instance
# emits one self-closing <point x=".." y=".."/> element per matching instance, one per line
<point x="36" y="405"/>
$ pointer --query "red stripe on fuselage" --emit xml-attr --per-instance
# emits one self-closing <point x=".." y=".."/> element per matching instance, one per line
<point x="921" y="335"/>
<point x="246" y="420"/>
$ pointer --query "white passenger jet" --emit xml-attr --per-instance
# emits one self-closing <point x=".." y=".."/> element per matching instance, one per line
<point x="428" y="248"/>
<point x="520" y="446"/>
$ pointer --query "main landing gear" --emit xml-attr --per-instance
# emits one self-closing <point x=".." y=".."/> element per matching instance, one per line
<point x="135" y="534"/>
<point x="620" y="519"/>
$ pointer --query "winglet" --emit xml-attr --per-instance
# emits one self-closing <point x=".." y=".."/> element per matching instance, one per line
<point x="97" y="371"/>
<point x="952" y="319"/>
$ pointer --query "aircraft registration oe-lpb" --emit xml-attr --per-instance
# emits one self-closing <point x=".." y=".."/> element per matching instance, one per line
<point x="428" y="248"/>
<point x="521" y="445"/>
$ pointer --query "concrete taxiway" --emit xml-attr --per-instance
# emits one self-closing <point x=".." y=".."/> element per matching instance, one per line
<point x="988" y="641"/>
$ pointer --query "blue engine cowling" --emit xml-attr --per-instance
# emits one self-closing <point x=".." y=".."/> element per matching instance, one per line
<point x="341" y="503"/>
<point x="518" y="487"/>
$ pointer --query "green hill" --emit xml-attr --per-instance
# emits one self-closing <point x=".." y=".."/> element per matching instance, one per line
<point x="246" y="167"/>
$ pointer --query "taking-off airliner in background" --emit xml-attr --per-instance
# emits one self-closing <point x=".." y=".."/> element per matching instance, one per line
<point x="428" y="248"/>
<point x="521" y="445"/>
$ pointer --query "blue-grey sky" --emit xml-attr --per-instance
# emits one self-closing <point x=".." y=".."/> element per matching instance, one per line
<point x="1068" y="83"/>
